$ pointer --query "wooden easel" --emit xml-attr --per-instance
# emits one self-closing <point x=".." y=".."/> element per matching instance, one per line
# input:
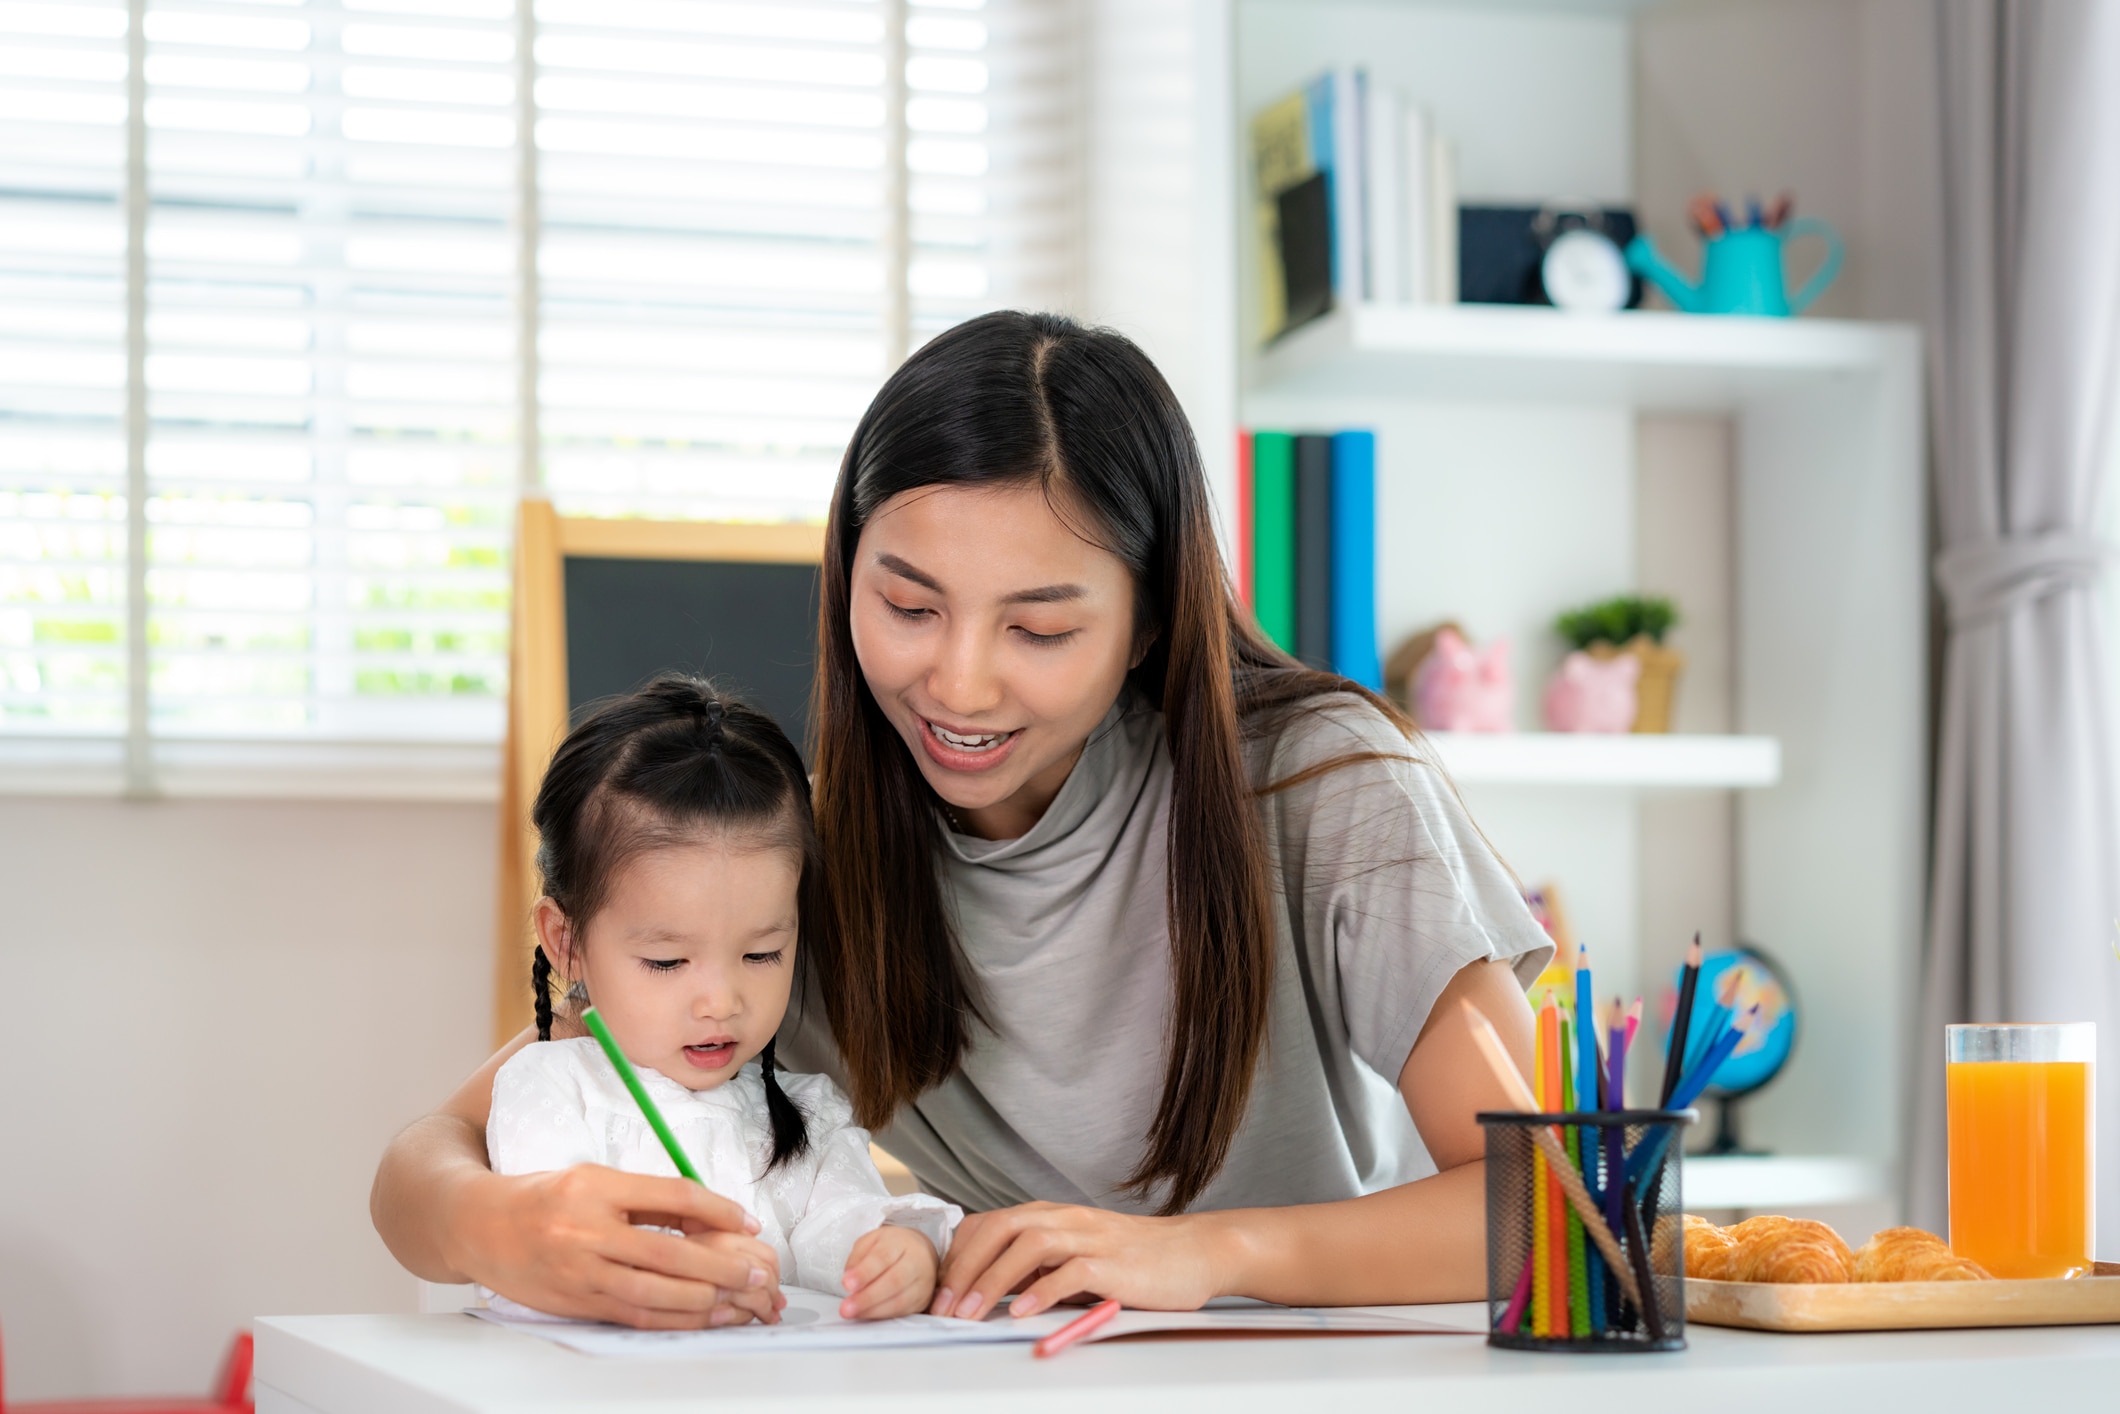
<point x="537" y="685"/>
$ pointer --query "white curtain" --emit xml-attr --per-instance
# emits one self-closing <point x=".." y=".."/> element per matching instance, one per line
<point x="2026" y="877"/>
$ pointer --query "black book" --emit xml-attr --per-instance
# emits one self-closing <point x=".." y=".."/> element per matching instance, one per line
<point x="1305" y="211"/>
<point x="1314" y="549"/>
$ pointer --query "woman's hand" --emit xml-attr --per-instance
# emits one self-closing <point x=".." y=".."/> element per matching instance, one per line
<point x="1051" y="1252"/>
<point x="890" y="1272"/>
<point x="567" y="1243"/>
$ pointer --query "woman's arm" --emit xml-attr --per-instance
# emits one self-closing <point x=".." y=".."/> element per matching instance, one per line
<point x="1420" y="1242"/>
<point x="563" y="1242"/>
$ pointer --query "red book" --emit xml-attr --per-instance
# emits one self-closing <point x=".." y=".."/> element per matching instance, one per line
<point x="1243" y="566"/>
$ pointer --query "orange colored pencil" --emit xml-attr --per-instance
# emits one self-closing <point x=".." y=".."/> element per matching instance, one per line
<point x="1555" y="1209"/>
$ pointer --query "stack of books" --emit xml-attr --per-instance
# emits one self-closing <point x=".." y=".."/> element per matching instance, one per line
<point x="1307" y="546"/>
<point x="1356" y="201"/>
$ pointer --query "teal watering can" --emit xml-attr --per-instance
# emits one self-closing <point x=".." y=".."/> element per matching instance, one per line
<point x="1740" y="270"/>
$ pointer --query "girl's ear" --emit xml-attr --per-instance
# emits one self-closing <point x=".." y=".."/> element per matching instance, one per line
<point x="556" y="936"/>
<point x="1142" y="643"/>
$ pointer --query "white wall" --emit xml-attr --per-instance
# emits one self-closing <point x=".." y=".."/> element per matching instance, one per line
<point x="1826" y="99"/>
<point x="219" y="1013"/>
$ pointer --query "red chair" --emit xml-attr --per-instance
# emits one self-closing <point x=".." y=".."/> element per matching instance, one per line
<point x="231" y="1394"/>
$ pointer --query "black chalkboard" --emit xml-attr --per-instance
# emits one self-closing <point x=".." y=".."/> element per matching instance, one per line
<point x="749" y="625"/>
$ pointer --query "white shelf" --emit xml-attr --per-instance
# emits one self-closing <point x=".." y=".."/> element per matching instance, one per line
<point x="1780" y="1181"/>
<point x="1595" y="759"/>
<point x="1519" y="353"/>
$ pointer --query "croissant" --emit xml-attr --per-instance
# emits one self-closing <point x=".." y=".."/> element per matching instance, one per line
<point x="1775" y="1249"/>
<point x="1710" y="1254"/>
<point x="1909" y="1254"/>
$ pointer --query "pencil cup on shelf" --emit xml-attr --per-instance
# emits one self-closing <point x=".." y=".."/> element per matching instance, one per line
<point x="1561" y="1278"/>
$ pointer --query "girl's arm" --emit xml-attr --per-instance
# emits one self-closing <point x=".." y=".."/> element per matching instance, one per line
<point x="1420" y="1242"/>
<point x="562" y="1242"/>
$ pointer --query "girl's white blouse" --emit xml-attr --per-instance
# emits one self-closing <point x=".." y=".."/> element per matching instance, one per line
<point x="560" y="1103"/>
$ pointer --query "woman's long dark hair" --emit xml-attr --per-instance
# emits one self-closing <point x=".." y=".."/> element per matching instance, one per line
<point x="1010" y="399"/>
<point x="656" y="768"/>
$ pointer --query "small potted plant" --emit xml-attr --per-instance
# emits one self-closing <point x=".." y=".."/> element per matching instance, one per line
<point x="1633" y="625"/>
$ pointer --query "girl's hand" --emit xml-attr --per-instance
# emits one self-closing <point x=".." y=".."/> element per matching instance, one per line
<point x="890" y="1272"/>
<point x="566" y="1242"/>
<point x="1051" y="1253"/>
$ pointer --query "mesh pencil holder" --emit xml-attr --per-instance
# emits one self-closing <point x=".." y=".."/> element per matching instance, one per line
<point x="1550" y="1283"/>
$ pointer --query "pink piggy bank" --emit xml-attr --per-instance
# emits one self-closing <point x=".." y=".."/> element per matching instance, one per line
<point x="1593" y="695"/>
<point x="1459" y="688"/>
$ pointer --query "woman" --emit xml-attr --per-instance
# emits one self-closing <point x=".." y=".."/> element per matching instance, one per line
<point x="1140" y="924"/>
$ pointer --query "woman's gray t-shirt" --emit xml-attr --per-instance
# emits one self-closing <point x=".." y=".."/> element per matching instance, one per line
<point x="1385" y="891"/>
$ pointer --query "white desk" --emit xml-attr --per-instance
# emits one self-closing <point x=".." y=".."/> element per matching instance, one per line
<point x="427" y="1364"/>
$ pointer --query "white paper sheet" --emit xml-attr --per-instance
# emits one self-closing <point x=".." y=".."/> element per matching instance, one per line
<point x="812" y="1322"/>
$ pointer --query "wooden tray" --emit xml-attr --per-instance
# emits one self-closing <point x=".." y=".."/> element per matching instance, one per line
<point x="1907" y="1306"/>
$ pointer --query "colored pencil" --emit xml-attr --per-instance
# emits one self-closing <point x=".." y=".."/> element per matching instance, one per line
<point x="1586" y="1098"/>
<point x="639" y="1093"/>
<point x="1557" y="1215"/>
<point x="1578" y="1273"/>
<point x="1681" y="1021"/>
<point x="1502" y="1067"/>
<point x="1585" y="1034"/>
<point x="1615" y="1099"/>
<point x="1541" y="1259"/>
<point x="1726" y="992"/>
<point x="1083" y="1325"/>
<point x="1703" y="1075"/>
<point x="1513" y="1317"/>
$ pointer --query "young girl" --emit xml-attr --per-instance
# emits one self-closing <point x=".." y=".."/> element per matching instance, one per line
<point x="681" y="873"/>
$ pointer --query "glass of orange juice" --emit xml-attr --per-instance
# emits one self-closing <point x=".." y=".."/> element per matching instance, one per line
<point x="2022" y="1148"/>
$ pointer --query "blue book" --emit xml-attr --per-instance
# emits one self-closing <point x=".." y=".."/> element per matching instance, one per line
<point x="1354" y="559"/>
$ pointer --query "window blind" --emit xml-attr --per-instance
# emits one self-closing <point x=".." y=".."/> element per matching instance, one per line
<point x="330" y="360"/>
<point x="741" y="216"/>
<point x="62" y="368"/>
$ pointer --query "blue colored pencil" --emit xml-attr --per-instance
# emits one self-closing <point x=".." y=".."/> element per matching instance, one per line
<point x="1587" y="1098"/>
<point x="1718" y="1017"/>
<point x="1615" y="1136"/>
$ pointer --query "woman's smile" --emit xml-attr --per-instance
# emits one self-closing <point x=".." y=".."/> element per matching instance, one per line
<point x="965" y="751"/>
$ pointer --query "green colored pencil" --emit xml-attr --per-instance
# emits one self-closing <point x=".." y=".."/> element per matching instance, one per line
<point x="625" y="1070"/>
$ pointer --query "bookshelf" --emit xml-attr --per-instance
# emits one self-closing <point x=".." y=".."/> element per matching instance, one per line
<point x="1526" y="463"/>
<point x="1652" y="361"/>
<point x="1659" y="762"/>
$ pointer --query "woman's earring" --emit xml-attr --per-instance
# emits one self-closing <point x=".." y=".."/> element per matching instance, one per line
<point x="577" y="994"/>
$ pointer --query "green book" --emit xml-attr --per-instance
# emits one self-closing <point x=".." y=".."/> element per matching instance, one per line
<point x="1273" y="535"/>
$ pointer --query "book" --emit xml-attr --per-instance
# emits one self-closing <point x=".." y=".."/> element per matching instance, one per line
<point x="1273" y="536"/>
<point x="1346" y="171"/>
<point x="1414" y="203"/>
<point x="1355" y="200"/>
<point x="1313" y="549"/>
<point x="1243" y="536"/>
<point x="1308" y="186"/>
<point x="1290" y="199"/>
<point x="1384" y="204"/>
<point x="1442" y="220"/>
<point x="1354" y="559"/>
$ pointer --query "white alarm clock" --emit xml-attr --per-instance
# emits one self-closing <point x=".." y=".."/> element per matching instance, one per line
<point x="1584" y="271"/>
